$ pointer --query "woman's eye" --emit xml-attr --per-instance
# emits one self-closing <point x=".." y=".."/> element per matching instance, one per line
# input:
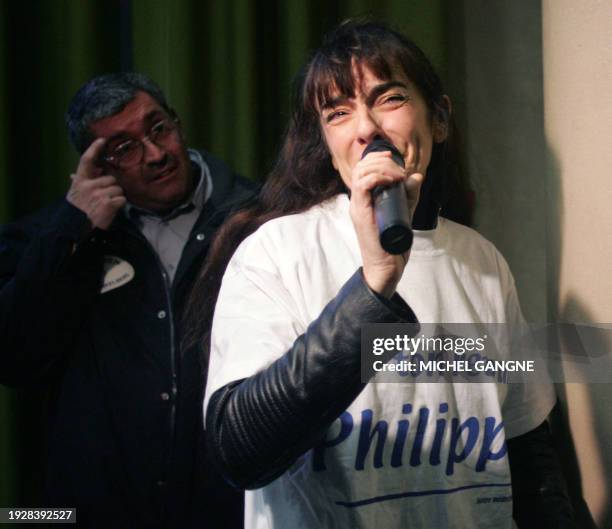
<point x="395" y="98"/>
<point x="334" y="115"/>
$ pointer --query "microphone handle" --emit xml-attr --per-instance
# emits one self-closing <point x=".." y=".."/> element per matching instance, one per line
<point x="393" y="218"/>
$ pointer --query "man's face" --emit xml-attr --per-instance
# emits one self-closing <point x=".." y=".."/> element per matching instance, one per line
<point x="163" y="178"/>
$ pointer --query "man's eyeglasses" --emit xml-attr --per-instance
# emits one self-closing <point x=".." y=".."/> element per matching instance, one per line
<point x="131" y="152"/>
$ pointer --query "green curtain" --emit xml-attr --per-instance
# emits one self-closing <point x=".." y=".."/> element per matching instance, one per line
<point x="47" y="50"/>
<point x="226" y="67"/>
<point x="50" y="48"/>
<point x="6" y="418"/>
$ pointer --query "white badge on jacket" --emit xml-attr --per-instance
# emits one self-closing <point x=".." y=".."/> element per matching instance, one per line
<point x="117" y="273"/>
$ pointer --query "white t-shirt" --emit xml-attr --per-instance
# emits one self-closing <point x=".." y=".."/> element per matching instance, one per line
<point x="403" y="454"/>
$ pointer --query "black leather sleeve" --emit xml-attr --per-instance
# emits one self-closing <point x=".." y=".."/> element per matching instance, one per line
<point x="258" y="426"/>
<point x="540" y="498"/>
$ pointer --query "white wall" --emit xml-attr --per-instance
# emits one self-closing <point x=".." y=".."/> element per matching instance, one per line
<point x="532" y="85"/>
<point x="577" y="44"/>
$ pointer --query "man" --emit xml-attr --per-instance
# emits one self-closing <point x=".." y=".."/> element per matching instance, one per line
<point x="91" y="294"/>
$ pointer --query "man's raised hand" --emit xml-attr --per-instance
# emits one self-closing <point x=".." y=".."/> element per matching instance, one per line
<point x="99" y="196"/>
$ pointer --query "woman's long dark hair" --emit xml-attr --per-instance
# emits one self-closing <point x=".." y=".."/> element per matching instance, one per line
<point x="303" y="175"/>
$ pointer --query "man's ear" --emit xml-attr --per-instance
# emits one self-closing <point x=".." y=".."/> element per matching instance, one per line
<point x="441" y="122"/>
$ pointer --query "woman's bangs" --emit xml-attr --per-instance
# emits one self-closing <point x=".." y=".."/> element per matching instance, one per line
<point x="327" y="80"/>
<point x="332" y="77"/>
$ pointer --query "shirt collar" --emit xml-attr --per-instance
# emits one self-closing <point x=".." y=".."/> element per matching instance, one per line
<point x="196" y="200"/>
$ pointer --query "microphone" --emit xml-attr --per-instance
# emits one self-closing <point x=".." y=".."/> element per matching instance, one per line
<point x="391" y="206"/>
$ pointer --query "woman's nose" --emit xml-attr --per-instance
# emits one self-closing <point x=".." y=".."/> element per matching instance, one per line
<point x="368" y="127"/>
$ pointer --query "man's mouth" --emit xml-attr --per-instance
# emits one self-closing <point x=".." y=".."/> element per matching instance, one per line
<point x="163" y="175"/>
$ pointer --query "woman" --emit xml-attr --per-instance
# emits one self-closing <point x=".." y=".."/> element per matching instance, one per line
<point x="286" y="411"/>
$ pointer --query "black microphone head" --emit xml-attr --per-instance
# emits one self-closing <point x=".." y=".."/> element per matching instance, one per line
<point x="381" y="145"/>
<point x="396" y="239"/>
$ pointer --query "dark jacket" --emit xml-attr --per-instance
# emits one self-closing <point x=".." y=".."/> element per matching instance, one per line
<point x="125" y="432"/>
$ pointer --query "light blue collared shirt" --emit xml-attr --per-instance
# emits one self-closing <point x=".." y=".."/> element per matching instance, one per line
<point x="168" y="234"/>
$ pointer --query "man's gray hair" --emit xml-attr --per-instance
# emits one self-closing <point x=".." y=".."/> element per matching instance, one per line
<point x="106" y="96"/>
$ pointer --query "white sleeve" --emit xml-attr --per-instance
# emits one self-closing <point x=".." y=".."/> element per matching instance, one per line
<point x="527" y="405"/>
<point x="254" y="324"/>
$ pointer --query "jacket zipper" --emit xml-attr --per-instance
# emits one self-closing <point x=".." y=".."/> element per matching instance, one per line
<point x="170" y="315"/>
<point x="174" y="388"/>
